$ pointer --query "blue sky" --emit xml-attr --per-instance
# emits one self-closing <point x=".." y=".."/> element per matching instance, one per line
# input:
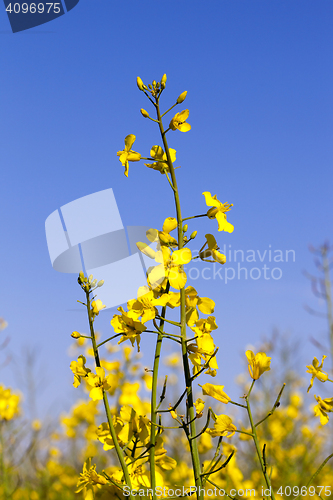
<point x="259" y="78"/>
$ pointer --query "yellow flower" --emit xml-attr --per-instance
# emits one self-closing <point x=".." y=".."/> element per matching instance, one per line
<point x="8" y="403"/>
<point x="88" y="478"/>
<point x="216" y="392"/>
<point x="199" y="406"/>
<point x="315" y="370"/>
<point x="129" y="325"/>
<point x="171" y="268"/>
<point x="258" y="364"/>
<point x="223" y="426"/>
<point x="99" y="383"/>
<point x="204" y="325"/>
<point x="192" y="302"/>
<point x="79" y="370"/>
<point x="178" y="122"/>
<point x="218" y="212"/>
<point x="205" y="347"/>
<point x="127" y="154"/>
<point x="212" y="251"/>
<point x="96" y="306"/>
<point x="323" y="407"/>
<point x="161" y="163"/>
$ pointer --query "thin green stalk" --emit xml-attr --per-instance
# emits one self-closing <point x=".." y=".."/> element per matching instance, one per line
<point x="328" y="296"/>
<point x="3" y="470"/>
<point x="256" y="442"/>
<point x="106" y="403"/>
<point x="153" y="412"/>
<point x="193" y="443"/>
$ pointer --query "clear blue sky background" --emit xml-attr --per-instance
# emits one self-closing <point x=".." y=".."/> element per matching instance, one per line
<point x="259" y="80"/>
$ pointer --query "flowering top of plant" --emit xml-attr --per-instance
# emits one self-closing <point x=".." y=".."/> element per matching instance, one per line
<point x="168" y="308"/>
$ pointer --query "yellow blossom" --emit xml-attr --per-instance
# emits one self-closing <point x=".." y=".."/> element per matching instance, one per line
<point x="178" y="122"/>
<point x="99" y="383"/>
<point x="79" y="370"/>
<point x="204" y="325"/>
<point x="8" y="403"/>
<point x="96" y="306"/>
<point x="193" y="302"/>
<point x="212" y="251"/>
<point x="216" y="392"/>
<point x="199" y="406"/>
<point x="88" y="478"/>
<point x="323" y="407"/>
<point x="258" y="364"/>
<point x="218" y="212"/>
<point x="129" y="325"/>
<point x="161" y="163"/>
<point x="316" y="372"/>
<point x="127" y="154"/>
<point x="171" y="268"/>
<point x="223" y="426"/>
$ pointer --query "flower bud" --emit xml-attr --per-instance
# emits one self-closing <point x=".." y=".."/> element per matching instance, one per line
<point x="139" y="83"/>
<point x="93" y="284"/>
<point x="100" y="283"/>
<point x="144" y="113"/>
<point x="76" y="335"/>
<point x="81" y="275"/>
<point x="163" y="81"/>
<point x="154" y="83"/>
<point x="90" y="278"/>
<point x="169" y="224"/>
<point x="185" y="239"/>
<point x="182" y="97"/>
<point x="193" y="235"/>
<point x="185" y="228"/>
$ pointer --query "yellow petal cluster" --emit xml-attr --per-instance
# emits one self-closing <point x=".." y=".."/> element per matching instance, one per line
<point x="316" y="371"/>
<point x="160" y="157"/>
<point x="178" y="122"/>
<point x="257" y="364"/>
<point x="218" y="212"/>
<point x="127" y="154"/>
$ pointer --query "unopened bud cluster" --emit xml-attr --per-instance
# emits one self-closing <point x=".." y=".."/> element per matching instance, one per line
<point x="89" y="283"/>
<point x="155" y="88"/>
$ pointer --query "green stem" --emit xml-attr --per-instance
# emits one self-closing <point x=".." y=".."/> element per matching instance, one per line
<point x="193" y="443"/>
<point x="3" y="471"/>
<point x="153" y="412"/>
<point x="106" y="403"/>
<point x="194" y="217"/>
<point x="328" y="296"/>
<point x="256" y="443"/>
